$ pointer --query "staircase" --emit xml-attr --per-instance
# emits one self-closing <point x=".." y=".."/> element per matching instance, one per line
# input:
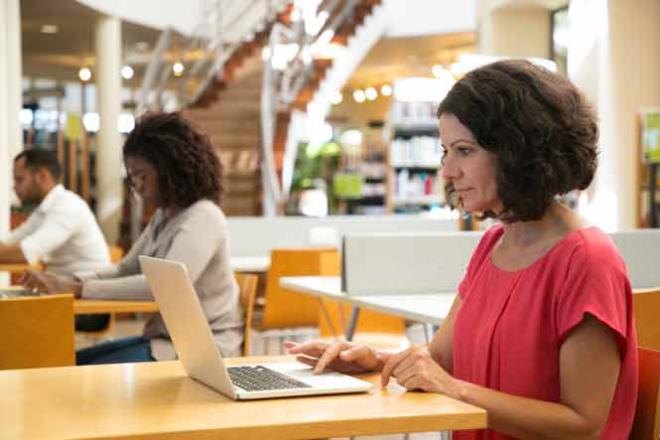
<point x="230" y="112"/>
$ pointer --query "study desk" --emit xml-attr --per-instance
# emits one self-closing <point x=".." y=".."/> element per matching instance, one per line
<point x="101" y="307"/>
<point x="156" y="400"/>
<point x="429" y="308"/>
<point x="250" y="264"/>
<point x="18" y="268"/>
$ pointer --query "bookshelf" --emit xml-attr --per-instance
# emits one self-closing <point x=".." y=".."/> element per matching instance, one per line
<point x="413" y="160"/>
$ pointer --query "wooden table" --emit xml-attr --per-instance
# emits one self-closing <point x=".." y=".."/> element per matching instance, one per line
<point x="99" y="307"/>
<point x="18" y="268"/>
<point x="158" y="401"/>
<point x="250" y="264"/>
<point x="430" y="308"/>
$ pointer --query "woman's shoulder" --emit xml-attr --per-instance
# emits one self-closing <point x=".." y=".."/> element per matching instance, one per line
<point x="205" y="209"/>
<point x="593" y="248"/>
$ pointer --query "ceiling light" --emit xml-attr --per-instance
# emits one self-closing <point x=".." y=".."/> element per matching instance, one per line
<point x="386" y="90"/>
<point x="142" y="46"/>
<point x="359" y="96"/>
<point x="127" y="72"/>
<point x="84" y="74"/>
<point x="371" y="93"/>
<point x="177" y="68"/>
<point x="49" y="29"/>
<point x="336" y="98"/>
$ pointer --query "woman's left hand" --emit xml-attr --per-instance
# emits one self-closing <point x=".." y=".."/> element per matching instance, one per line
<point x="415" y="369"/>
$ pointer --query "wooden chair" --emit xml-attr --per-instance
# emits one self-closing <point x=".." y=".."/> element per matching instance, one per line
<point x="247" y="285"/>
<point x="289" y="314"/>
<point x="285" y="308"/>
<point x="37" y="332"/>
<point x="646" y="308"/>
<point x="647" y="416"/>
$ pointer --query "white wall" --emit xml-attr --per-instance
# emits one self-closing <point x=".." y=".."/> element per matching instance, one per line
<point x="614" y="57"/>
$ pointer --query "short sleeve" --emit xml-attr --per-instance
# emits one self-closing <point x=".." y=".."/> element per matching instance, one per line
<point x="597" y="284"/>
<point x="481" y="252"/>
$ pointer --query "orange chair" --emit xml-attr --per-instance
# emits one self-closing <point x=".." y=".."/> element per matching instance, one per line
<point x="247" y="286"/>
<point x="647" y="416"/>
<point x="646" y="308"/>
<point x="37" y="332"/>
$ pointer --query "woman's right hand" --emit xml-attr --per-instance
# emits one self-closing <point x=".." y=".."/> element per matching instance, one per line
<point x="49" y="283"/>
<point x="341" y="356"/>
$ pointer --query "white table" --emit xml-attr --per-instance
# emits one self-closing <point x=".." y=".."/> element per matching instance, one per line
<point x="250" y="264"/>
<point x="429" y="308"/>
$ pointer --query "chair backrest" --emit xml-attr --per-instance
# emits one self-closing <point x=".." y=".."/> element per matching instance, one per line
<point x="647" y="416"/>
<point x="116" y="253"/>
<point x="247" y="286"/>
<point x="646" y="308"/>
<point x="284" y="308"/>
<point x="37" y="332"/>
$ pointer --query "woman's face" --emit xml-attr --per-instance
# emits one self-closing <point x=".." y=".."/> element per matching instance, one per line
<point x="143" y="178"/>
<point x="469" y="167"/>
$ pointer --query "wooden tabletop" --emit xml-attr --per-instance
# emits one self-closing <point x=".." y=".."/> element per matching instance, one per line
<point x="98" y="307"/>
<point x="18" y="267"/>
<point x="158" y="401"/>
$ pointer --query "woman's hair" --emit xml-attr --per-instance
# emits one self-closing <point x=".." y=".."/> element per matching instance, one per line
<point x="188" y="167"/>
<point x="539" y="125"/>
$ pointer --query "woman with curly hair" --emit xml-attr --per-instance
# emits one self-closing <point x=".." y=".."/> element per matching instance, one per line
<point x="175" y="170"/>
<point x="541" y="333"/>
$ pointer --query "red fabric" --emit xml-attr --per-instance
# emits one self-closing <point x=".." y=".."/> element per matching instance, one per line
<point x="511" y="325"/>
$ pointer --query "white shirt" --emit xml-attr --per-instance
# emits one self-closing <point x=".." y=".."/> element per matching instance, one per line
<point x="62" y="232"/>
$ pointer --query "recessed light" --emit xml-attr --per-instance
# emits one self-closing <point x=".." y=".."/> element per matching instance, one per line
<point x="84" y="74"/>
<point x="49" y="29"/>
<point x="127" y="72"/>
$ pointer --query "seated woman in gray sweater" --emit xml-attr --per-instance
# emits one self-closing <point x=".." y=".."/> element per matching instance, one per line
<point x="175" y="170"/>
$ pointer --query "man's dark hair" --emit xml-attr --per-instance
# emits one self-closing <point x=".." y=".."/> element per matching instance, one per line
<point x="188" y="167"/>
<point x="539" y="125"/>
<point x="37" y="158"/>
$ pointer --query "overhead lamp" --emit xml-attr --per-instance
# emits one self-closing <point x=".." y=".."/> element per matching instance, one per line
<point x="49" y="29"/>
<point x="386" y="90"/>
<point x="127" y="72"/>
<point x="178" y="68"/>
<point x="359" y="96"/>
<point x="85" y="74"/>
<point x="336" y="98"/>
<point x="370" y="93"/>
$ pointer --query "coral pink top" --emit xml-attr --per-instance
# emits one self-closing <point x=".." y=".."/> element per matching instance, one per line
<point x="511" y="324"/>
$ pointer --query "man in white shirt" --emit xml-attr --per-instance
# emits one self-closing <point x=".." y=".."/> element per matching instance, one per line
<point x="62" y="232"/>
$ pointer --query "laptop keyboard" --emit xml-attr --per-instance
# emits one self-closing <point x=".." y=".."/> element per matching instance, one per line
<point x="16" y="293"/>
<point x="260" y="378"/>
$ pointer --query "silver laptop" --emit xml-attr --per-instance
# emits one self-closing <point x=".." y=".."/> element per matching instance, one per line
<point x="17" y="293"/>
<point x="187" y="325"/>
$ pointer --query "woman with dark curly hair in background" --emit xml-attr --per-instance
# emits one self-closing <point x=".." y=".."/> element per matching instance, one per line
<point x="175" y="170"/>
<point x="541" y="333"/>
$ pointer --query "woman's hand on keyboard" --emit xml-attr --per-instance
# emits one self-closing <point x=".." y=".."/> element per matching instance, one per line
<point x="341" y="356"/>
<point x="49" y="283"/>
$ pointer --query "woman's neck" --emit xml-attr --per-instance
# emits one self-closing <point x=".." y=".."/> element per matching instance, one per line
<point x="556" y="222"/>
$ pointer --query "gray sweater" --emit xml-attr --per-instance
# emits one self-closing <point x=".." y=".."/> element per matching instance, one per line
<point x="196" y="237"/>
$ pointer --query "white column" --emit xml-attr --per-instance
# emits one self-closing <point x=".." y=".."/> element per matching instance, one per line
<point x="514" y="31"/>
<point x="614" y="56"/>
<point x="108" y="162"/>
<point x="11" y="137"/>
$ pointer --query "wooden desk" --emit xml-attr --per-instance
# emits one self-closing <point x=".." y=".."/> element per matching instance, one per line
<point x="250" y="264"/>
<point x="99" y="307"/>
<point x="428" y="308"/>
<point x="18" y="268"/>
<point x="158" y="401"/>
